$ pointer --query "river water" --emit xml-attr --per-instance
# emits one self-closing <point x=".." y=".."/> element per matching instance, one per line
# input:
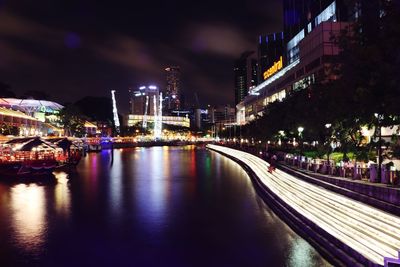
<point x="159" y="206"/>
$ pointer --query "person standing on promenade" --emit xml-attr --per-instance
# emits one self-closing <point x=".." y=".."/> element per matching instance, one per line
<point x="272" y="163"/>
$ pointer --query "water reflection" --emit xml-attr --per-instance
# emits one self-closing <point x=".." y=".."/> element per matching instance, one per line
<point x="115" y="185"/>
<point x="186" y="206"/>
<point x="92" y="174"/>
<point x="62" y="194"/>
<point x="28" y="213"/>
<point x="301" y="254"/>
<point x="152" y="188"/>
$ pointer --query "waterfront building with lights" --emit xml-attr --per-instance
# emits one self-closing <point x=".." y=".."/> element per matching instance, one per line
<point x="31" y="117"/>
<point x="308" y="51"/>
<point x="141" y="100"/>
<point x="144" y="105"/>
<point x="270" y="50"/>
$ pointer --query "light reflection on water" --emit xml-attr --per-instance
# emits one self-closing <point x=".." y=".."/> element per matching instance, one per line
<point x="62" y="194"/>
<point x="152" y="188"/>
<point x="28" y="214"/>
<point x="187" y="206"/>
<point x="115" y="186"/>
<point x="29" y="204"/>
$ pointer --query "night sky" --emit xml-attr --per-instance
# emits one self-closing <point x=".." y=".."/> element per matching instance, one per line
<point x="75" y="48"/>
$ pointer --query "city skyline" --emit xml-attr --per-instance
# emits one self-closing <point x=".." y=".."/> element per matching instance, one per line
<point x="74" y="49"/>
<point x="192" y="134"/>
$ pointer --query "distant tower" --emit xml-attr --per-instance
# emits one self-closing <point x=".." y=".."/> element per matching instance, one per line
<point x="115" y="111"/>
<point x="245" y="72"/>
<point x="172" y="90"/>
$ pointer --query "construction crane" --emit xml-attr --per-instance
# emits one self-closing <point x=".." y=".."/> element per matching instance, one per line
<point x="115" y="112"/>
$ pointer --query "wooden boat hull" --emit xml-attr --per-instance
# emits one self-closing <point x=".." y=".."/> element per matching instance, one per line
<point x="22" y="169"/>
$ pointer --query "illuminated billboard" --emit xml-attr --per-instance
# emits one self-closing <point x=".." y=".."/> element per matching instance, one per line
<point x="277" y="66"/>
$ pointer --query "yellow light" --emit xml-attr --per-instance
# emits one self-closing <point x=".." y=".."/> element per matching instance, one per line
<point x="277" y="66"/>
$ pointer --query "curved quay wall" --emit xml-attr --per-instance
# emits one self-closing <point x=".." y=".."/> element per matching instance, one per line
<point x="346" y="231"/>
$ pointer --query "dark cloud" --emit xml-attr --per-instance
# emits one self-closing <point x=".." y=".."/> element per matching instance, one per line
<point x="75" y="48"/>
<point x="216" y="38"/>
<point x="128" y="52"/>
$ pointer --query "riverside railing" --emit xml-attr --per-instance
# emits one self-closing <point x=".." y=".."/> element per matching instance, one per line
<point x="350" y="170"/>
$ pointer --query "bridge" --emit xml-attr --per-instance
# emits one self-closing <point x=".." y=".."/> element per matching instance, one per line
<point x="370" y="232"/>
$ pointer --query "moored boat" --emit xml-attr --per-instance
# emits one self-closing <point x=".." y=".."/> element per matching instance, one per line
<point x="72" y="151"/>
<point x="34" y="156"/>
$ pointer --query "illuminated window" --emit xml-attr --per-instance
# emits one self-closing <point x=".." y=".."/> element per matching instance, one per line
<point x="293" y="48"/>
<point x="329" y="13"/>
<point x="295" y="40"/>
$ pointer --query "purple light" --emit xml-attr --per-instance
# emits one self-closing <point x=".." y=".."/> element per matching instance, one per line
<point x="72" y="40"/>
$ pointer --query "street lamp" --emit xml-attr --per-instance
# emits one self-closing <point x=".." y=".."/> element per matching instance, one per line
<point x="379" y="118"/>
<point x="300" y="130"/>
<point x="328" y="126"/>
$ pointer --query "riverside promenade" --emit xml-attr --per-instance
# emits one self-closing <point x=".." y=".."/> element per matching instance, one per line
<point x="379" y="195"/>
<point x="355" y="233"/>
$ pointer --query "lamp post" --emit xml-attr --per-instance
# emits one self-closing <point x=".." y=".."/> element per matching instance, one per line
<point x="328" y="126"/>
<point x="300" y="130"/>
<point x="380" y="159"/>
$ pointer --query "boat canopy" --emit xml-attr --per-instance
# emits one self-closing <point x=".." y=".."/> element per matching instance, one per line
<point x="29" y="144"/>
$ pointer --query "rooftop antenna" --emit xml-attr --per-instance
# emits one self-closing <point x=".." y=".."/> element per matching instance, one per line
<point x="115" y="111"/>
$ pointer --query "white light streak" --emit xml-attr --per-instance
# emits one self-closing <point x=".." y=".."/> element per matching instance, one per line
<point x="115" y="111"/>
<point x="371" y="232"/>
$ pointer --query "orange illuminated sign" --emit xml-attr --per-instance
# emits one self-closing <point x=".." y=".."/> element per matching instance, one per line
<point x="277" y="66"/>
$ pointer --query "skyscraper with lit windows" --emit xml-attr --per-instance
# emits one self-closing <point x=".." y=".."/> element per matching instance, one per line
<point x="172" y="89"/>
<point x="245" y="72"/>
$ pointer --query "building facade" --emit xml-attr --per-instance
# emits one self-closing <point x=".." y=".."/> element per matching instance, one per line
<point x="309" y="50"/>
<point x="245" y="74"/>
<point x="133" y="120"/>
<point x="172" y="89"/>
<point x="40" y="117"/>
<point x="270" y="50"/>
<point x="141" y="101"/>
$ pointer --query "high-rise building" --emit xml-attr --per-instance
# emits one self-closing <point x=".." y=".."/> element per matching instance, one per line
<point x="309" y="48"/>
<point x="172" y="90"/>
<point x="142" y="100"/>
<point x="245" y="72"/>
<point x="270" y="51"/>
<point x="301" y="17"/>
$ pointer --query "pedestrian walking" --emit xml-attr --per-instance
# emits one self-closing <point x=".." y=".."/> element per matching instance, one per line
<point x="272" y="164"/>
